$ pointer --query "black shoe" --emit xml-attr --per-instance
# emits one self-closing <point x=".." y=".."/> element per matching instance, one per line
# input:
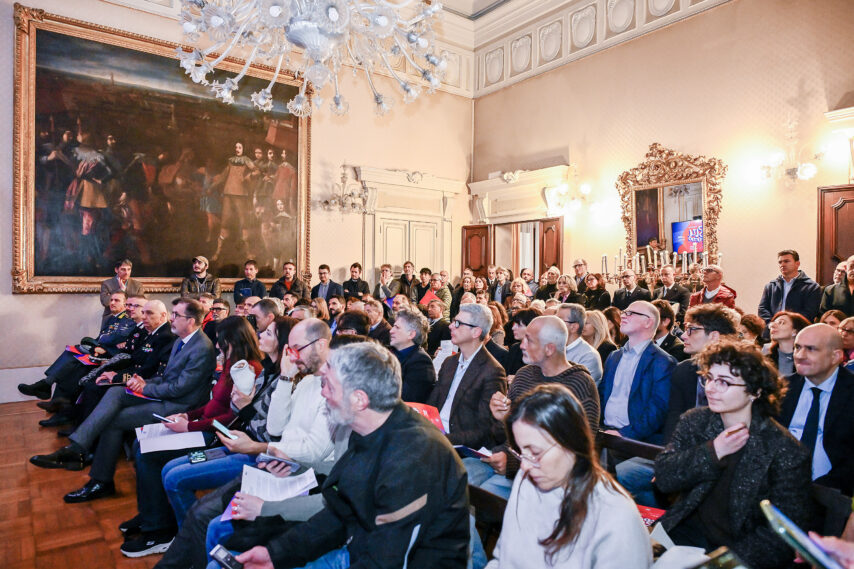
<point x="56" y="421"/>
<point x="40" y="389"/>
<point x="65" y="432"/>
<point x="66" y="457"/>
<point x="91" y="491"/>
<point x="133" y="525"/>
<point x="148" y="543"/>
<point x="54" y="405"/>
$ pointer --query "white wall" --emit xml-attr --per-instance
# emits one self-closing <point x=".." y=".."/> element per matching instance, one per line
<point x="433" y="135"/>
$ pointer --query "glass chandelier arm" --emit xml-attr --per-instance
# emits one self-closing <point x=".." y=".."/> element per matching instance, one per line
<point x="390" y="69"/>
<point x="233" y="43"/>
<point x="246" y="67"/>
<point x="408" y="55"/>
<point x="276" y="73"/>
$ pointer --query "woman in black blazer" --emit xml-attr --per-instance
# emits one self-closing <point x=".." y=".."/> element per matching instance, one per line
<point x="725" y="458"/>
<point x="597" y="297"/>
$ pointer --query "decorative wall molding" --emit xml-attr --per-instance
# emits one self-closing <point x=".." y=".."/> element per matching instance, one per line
<point x="516" y="196"/>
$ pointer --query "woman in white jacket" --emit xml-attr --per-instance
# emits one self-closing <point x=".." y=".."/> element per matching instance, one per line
<point x="564" y="511"/>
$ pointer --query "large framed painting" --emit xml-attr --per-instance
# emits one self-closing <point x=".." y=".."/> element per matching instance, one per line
<point x="118" y="154"/>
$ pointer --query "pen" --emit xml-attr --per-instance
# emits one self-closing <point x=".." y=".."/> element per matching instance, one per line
<point x="729" y="434"/>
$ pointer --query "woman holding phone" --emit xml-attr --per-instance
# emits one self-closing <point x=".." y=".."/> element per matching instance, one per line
<point x="565" y="510"/>
<point x="724" y="459"/>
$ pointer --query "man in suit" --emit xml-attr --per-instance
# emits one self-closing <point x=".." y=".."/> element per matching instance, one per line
<point x="672" y="292"/>
<point x="630" y="292"/>
<point x="185" y="383"/>
<point x="417" y="372"/>
<point x="327" y="288"/>
<point x="467" y="381"/>
<point x="793" y="290"/>
<point x="380" y="329"/>
<point x="121" y="281"/>
<point x="581" y="272"/>
<point x="439" y="326"/>
<point x="635" y="386"/>
<point x="817" y="406"/>
<point x="664" y="337"/>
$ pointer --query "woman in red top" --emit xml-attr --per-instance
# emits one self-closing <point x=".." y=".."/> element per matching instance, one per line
<point x="237" y="341"/>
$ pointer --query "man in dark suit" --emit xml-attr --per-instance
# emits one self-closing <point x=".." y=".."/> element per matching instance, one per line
<point x="468" y="380"/>
<point x="439" y="326"/>
<point x="635" y="386"/>
<point x="121" y="281"/>
<point x="817" y="407"/>
<point x="672" y="292"/>
<point x="327" y="288"/>
<point x="664" y="337"/>
<point x="581" y="272"/>
<point x="380" y="329"/>
<point x="630" y="292"/>
<point x="185" y="383"/>
<point x="407" y="335"/>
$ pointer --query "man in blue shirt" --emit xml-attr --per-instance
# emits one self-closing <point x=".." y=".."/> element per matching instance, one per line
<point x="250" y="286"/>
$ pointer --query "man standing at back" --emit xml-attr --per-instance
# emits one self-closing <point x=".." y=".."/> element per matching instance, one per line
<point x="793" y="290"/>
<point x="355" y="287"/>
<point x="289" y="283"/>
<point x="635" y="386"/>
<point x="121" y="281"/>
<point x="396" y="498"/>
<point x="840" y="295"/>
<point x="200" y="280"/>
<point x="326" y="288"/>
<point x="713" y="291"/>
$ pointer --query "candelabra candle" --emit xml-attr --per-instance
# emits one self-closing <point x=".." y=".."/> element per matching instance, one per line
<point x="649" y="253"/>
<point x="604" y="264"/>
<point x="705" y="258"/>
<point x="694" y="250"/>
<point x="616" y="264"/>
<point x="685" y="262"/>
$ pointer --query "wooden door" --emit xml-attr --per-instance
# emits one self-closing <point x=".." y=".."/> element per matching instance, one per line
<point x="477" y="253"/>
<point x="423" y="248"/>
<point x="835" y="229"/>
<point x="393" y="242"/>
<point x="551" y="243"/>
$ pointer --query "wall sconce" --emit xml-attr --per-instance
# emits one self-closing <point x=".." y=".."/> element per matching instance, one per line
<point x="348" y="196"/>
<point x="790" y="165"/>
<point x="842" y="119"/>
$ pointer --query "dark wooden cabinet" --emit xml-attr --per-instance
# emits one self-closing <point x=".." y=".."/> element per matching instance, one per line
<point x="835" y="229"/>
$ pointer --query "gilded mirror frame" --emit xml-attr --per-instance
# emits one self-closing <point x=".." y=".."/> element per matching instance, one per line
<point x="664" y="167"/>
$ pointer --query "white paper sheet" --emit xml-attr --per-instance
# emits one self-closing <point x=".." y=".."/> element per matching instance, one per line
<point x="446" y="350"/>
<point x="260" y="483"/>
<point x="156" y="437"/>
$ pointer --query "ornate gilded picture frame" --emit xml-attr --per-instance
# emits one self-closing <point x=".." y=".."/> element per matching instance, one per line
<point x="118" y="155"/>
<point x="664" y="175"/>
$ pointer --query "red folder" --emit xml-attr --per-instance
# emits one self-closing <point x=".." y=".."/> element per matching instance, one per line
<point x="430" y="412"/>
<point x="649" y="515"/>
<point x="428" y="296"/>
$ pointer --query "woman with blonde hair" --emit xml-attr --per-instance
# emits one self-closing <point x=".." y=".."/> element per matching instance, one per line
<point x="596" y="333"/>
<point x="321" y="309"/>
<point x="567" y="291"/>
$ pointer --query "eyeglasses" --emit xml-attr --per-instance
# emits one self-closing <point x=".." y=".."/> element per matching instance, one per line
<point x="457" y="323"/>
<point x="219" y="309"/>
<point x="633" y="313"/>
<point x="129" y="305"/>
<point x="707" y="381"/>
<point x="175" y="315"/>
<point x="532" y="460"/>
<point x="691" y="329"/>
<point x="845" y="330"/>
<point x="294" y="351"/>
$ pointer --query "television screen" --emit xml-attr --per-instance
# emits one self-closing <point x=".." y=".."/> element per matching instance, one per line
<point x="686" y="234"/>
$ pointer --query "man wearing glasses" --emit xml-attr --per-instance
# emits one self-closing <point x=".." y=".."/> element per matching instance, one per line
<point x="840" y="295"/>
<point x="185" y="383"/>
<point x="467" y="381"/>
<point x="635" y="386"/>
<point x="713" y="291"/>
<point x="630" y="292"/>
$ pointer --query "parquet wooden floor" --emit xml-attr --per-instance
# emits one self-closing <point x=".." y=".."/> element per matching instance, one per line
<point x="38" y="529"/>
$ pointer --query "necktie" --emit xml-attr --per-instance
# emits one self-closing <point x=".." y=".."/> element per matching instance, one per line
<point x="180" y="346"/>
<point x="811" y="428"/>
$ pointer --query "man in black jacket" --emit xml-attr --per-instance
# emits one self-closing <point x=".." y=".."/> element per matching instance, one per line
<point x="840" y="296"/>
<point x="630" y="292"/>
<point x="289" y="283"/>
<point x="407" y="335"/>
<point x="249" y="286"/>
<point x="672" y="292"/>
<point x="824" y="425"/>
<point x="793" y="290"/>
<point x="397" y="497"/>
<point x="664" y="337"/>
<point x="355" y="287"/>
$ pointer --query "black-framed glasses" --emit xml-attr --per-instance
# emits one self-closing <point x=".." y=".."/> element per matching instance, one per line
<point x="294" y="351"/>
<point x="175" y="315"/>
<point x="633" y="313"/>
<point x="457" y="323"/>
<point x="717" y="383"/>
<point x="691" y="329"/>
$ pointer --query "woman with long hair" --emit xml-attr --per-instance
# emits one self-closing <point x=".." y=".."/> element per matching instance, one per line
<point x="564" y="510"/>
<point x="499" y="319"/>
<point x="321" y="309"/>
<point x="598" y="298"/>
<point x="613" y="317"/>
<point x="726" y="458"/>
<point x="466" y="285"/>
<point x="237" y="342"/>
<point x="782" y="330"/>
<point x="519" y="322"/>
<point x="596" y="333"/>
<point x="832" y="318"/>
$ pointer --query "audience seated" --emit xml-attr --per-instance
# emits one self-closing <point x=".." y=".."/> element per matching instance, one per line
<point x="598" y="297"/>
<point x="439" y="326"/>
<point x="353" y="322"/>
<point x="751" y="329"/>
<point x="379" y="329"/>
<point x="664" y="336"/>
<point x="613" y="316"/>
<point x="577" y="350"/>
<point x="440" y="291"/>
<point x="564" y="509"/>
<point x="417" y="373"/>
<point x="725" y="458"/>
<point x="548" y="288"/>
<point x="846" y="331"/>
<point x="817" y="404"/>
<point x="467" y="380"/>
<point x="792" y="291"/>
<point x="567" y="291"/>
<point x="519" y="321"/>
<point x="466" y="285"/>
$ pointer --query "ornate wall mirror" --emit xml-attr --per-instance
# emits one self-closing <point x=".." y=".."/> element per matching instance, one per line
<point x="674" y="198"/>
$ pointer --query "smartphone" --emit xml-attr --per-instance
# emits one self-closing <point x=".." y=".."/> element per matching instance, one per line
<point x="162" y="418"/>
<point x="197" y="456"/>
<point x="809" y="550"/>
<point x="222" y="429"/>
<point x="264" y="457"/>
<point x="222" y="556"/>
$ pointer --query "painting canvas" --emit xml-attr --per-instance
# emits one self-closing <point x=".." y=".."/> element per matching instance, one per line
<point x="129" y="158"/>
<point x="646" y="212"/>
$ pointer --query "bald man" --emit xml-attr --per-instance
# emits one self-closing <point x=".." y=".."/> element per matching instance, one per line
<point x="817" y="406"/>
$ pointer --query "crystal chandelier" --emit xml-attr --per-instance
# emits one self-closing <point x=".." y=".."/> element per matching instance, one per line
<point x="314" y="38"/>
